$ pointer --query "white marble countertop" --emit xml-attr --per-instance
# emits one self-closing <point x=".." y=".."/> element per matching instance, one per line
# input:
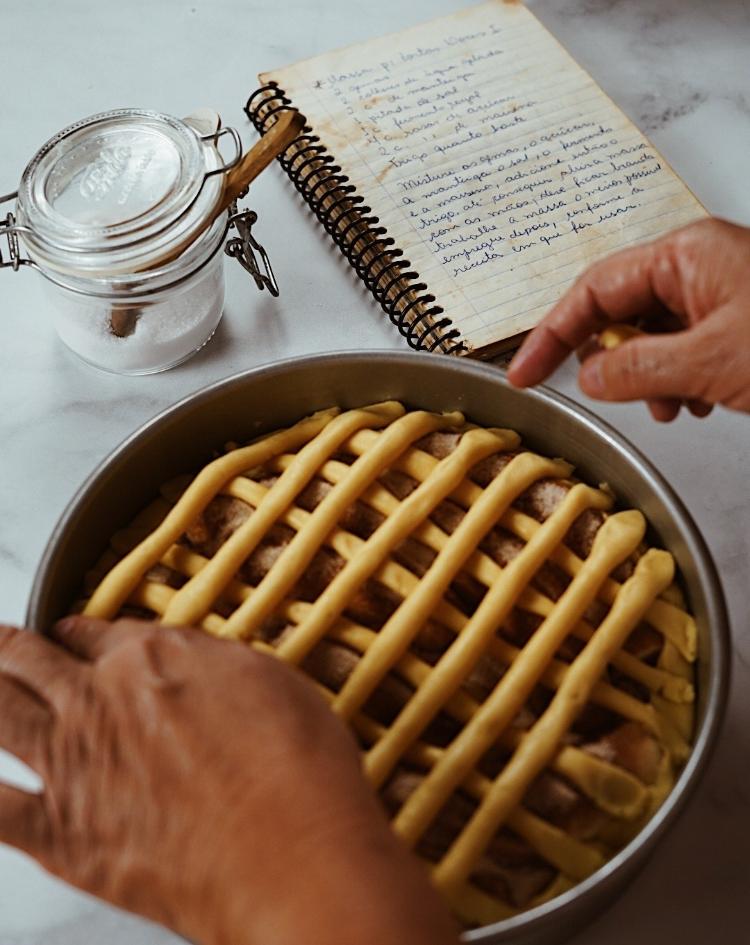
<point x="679" y="68"/>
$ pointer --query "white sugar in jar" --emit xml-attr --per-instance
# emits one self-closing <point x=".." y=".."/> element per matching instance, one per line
<point x="129" y="325"/>
<point x="101" y="206"/>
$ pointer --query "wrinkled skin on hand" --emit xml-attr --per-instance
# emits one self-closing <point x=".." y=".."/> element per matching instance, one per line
<point x="203" y="785"/>
<point x="690" y="292"/>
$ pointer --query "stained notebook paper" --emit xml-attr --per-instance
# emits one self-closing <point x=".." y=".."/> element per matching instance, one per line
<point x="470" y="169"/>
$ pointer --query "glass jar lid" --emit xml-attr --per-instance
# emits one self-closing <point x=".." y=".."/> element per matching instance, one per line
<point x="114" y="192"/>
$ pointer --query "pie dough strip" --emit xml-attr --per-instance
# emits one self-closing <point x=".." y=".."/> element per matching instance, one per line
<point x="195" y="598"/>
<point x="575" y="859"/>
<point x="458" y="660"/>
<point x="653" y="574"/>
<point x="474" y="446"/>
<point x="604" y="694"/>
<point x="485" y="570"/>
<point x="114" y="590"/>
<point x="671" y="621"/>
<point x="681" y="716"/>
<point x="346" y="544"/>
<point x="478" y="908"/>
<point x="145" y="522"/>
<point x="675" y="624"/>
<point x="291" y="563"/>
<point x="610" y="787"/>
<point x="613" y="789"/>
<point x="673" y="687"/>
<point x="403" y="582"/>
<point x="587" y="771"/>
<point x="676" y="688"/>
<point x="155" y="596"/>
<point x="396" y="635"/>
<point x="569" y="856"/>
<point x="614" y="542"/>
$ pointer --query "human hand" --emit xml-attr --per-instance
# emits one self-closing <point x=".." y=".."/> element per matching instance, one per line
<point x="203" y="785"/>
<point x="697" y="280"/>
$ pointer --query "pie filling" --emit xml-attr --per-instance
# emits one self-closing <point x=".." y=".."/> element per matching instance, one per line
<point x="516" y="663"/>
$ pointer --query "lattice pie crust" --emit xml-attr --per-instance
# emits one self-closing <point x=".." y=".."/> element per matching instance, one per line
<point x="515" y="663"/>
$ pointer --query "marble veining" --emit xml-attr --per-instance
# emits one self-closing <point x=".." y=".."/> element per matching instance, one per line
<point x="655" y="115"/>
<point x="679" y="68"/>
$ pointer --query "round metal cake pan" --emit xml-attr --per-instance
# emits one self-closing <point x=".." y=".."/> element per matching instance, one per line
<point x="185" y="436"/>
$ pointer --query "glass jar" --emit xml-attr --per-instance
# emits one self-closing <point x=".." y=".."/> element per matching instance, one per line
<point x="118" y="213"/>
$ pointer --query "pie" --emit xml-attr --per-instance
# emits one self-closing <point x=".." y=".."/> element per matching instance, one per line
<point x="516" y="663"/>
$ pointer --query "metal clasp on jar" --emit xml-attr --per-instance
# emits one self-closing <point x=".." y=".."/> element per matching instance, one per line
<point x="244" y="246"/>
<point x="10" y="230"/>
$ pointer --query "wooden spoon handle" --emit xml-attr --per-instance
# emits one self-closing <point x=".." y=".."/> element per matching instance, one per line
<point x="286" y="128"/>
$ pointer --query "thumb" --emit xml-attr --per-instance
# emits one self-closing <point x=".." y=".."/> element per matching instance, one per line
<point x="647" y="367"/>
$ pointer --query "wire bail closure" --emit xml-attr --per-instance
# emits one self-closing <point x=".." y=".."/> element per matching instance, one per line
<point x="234" y="160"/>
<point x="244" y="246"/>
<point x="9" y="229"/>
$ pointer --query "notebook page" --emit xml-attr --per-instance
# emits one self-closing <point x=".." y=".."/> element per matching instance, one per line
<point x="495" y="162"/>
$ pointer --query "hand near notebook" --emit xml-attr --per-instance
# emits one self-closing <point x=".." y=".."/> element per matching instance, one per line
<point x="205" y="786"/>
<point x="690" y="293"/>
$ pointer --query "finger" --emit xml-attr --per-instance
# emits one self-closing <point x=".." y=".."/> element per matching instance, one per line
<point x="24" y="722"/>
<point x="647" y="367"/>
<point x="699" y="408"/>
<point x="619" y="288"/>
<point x="664" y="409"/>
<point x="91" y="638"/>
<point x="23" y="821"/>
<point x="589" y="347"/>
<point x="41" y="666"/>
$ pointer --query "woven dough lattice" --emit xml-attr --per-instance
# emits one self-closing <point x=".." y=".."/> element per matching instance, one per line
<point x="514" y="661"/>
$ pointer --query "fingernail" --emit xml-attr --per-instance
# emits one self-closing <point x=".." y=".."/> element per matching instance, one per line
<point x="591" y="377"/>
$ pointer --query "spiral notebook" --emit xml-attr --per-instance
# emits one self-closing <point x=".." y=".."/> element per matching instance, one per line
<point x="469" y="169"/>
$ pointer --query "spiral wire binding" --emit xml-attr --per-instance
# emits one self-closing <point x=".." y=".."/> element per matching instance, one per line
<point x="357" y="232"/>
